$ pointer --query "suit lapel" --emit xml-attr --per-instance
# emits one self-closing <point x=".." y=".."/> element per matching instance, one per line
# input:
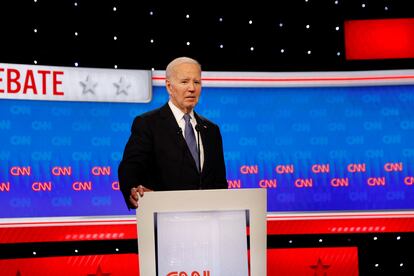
<point x="173" y="130"/>
<point x="207" y="140"/>
<point x="170" y="126"/>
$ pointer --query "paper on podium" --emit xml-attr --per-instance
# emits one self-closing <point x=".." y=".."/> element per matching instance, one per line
<point x="202" y="232"/>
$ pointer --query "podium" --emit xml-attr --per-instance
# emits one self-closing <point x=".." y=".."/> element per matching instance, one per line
<point x="202" y="233"/>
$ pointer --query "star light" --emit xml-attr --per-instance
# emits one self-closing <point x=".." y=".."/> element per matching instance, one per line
<point x="88" y="86"/>
<point x="122" y="87"/>
<point x="320" y="268"/>
<point x="99" y="272"/>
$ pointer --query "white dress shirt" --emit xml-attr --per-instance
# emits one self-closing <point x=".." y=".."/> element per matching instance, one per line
<point x="179" y="117"/>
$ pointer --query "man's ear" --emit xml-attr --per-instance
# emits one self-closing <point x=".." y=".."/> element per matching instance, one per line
<point x="168" y="86"/>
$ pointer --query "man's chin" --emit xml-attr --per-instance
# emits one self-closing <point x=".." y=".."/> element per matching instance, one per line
<point x="191" y="104"/>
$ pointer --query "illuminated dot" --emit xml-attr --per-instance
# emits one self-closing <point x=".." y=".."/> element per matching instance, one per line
<point x="115" y="37"/>
<point x="220" y="19"/>
<point x="376" y="265"/>
<point x="338" y="54"/>
<point x="152" y="69"/>
<point x="35" y="61"/>
<point x="75" y="4"/>
<point x="116" y="66"/>
<point x="35" y="1"/>
<point x="401" y="264"/>
<point x="290" y="241"/>
<point x="221" y="46"/>
<point x="114" y="9"/>
<point x="252" y="48"/>
<point x="320" y="240"/>
<point x="35" y="30"/>
<point x="282" y="50"/>
<point x="188" y="43"/>
<point x="152" y="40"/>
<point x="34" y="253"/>
<point x="398" y="238"/>
<point x="336" y="2"/>
<point x="76" y="251"/>
<point x="309" y="52"/>
<point x="306" y="1"/>
<point x="76" y="64"/>
<point x="386" y="8"/>
<point x="187" y="16"/>
<point x="280" y="24"/>
<point x="337" y="28"/>
<point x="76" y="33"/>
<point x="116" y="249"/>
<point x="363" y="5"/>
<point x="250" y="22"/>
<point x="307" y="26"/>
<point x="375" y="238"/>
<point x="151" y="13"/>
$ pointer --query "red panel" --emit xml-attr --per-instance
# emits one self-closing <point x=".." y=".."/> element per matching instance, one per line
<point x="93" y="265"/>
<point x="379" y="39"/>
<point x="340" y="226"/>
<point x="276" y="225"/>
<point x="68" y="232"/>
<point x="339" y="261"/>
<point x="296" y="261"/>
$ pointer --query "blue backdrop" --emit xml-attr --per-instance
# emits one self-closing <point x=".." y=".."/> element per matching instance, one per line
<point x="330" y="148"/>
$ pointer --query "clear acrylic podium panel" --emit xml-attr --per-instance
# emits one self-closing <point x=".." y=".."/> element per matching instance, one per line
<point x="206" y="242"/>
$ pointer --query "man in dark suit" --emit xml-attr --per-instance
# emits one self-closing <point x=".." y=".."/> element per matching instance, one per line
<point x="172" y="147"/>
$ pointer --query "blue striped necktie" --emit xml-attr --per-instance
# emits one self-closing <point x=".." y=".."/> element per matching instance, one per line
<point x="190" y="139"/>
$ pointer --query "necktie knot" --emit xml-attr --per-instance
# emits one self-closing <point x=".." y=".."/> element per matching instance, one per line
<point x="187" y="118"/>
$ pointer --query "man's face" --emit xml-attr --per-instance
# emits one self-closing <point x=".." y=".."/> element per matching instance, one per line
<point x="184" y="86"/>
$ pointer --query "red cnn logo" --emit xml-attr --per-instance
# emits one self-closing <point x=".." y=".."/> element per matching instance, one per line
<point x="194" y="273"/>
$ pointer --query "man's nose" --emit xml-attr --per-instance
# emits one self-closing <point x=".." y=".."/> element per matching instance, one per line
<point x="191" y="86"/>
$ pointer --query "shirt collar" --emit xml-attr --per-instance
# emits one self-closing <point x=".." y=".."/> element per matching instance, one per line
<point x="178" y="114"/>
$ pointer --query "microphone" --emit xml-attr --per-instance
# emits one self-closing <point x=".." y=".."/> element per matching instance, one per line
<point x="198" y="129"/>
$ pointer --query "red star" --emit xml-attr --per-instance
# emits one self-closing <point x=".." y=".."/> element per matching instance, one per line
<point x="320" y="268"/>
<point x="100" y="273"/>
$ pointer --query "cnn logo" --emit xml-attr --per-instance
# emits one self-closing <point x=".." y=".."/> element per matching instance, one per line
<point x="194" y="273"/>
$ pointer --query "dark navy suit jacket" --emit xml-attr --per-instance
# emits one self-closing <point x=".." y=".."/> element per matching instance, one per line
<point x="157" y="156"/>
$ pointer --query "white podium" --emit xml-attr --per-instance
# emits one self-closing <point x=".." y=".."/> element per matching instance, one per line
<point x="202" y="233"/>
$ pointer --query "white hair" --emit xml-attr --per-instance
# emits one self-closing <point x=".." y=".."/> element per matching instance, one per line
<point x="178" y="61"/>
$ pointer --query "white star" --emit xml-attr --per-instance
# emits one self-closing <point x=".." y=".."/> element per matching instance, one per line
<point x="122" y="87"/>
<point x="88" y="85"/>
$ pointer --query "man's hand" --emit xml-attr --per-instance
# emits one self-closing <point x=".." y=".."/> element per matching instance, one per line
<point x="136" y="193"/>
